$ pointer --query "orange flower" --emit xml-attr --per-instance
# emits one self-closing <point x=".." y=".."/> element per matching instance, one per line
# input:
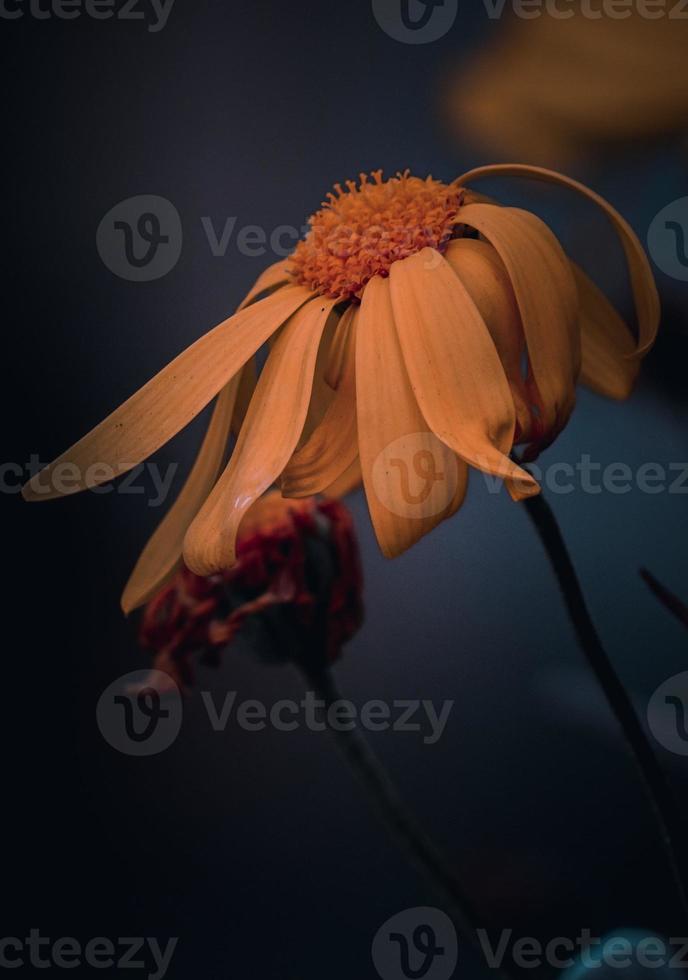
<point x="392" y="325"/>
<point x="296" y="558"/>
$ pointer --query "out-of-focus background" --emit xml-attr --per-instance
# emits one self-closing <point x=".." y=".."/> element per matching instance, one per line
<point x="258" y="850"/>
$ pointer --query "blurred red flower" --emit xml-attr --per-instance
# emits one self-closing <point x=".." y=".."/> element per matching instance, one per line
<point x="298" y="570"/>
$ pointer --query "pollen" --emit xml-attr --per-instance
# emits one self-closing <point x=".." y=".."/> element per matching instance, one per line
<point x="361" y="230"/>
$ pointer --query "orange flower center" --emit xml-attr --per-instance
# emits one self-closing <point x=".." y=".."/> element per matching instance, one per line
<point x="361" y="231"/>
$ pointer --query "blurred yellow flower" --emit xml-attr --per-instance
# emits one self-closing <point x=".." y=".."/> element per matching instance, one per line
<point x="551" y="89"/>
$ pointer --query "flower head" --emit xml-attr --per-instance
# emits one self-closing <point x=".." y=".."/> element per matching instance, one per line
<point x="419" y="330"/>
<point x="362" y="231"/>
<point x="297" y="580"/>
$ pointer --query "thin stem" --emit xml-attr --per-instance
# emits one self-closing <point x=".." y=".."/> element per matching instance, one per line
<point x="402" y="825"/>
<point x="654" y="782"/>
<point x="667" y="598"/>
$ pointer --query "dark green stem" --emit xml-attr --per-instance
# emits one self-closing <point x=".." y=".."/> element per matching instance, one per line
<point x="667" y="598"/>
<point x="394" y="814"/>
<point x="658" y="793"/>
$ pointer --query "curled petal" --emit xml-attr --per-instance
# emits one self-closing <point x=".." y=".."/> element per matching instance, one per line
<point x="333" y="446"/>
<point x="642" y="280"/>
<point x="247" y="385"/>
<point x="347" y="482"/>
<point x="169" y="401"/>
<point x="163" y="552"/>
<point x="412" y="480"/>
<point x="482" y="272"/>
<point x="454" y="368"/>
<point x="271" y="430"/>
<point x="545" y="291"/>
<point x="338" y="350"/>
<point x="608" y="344"/>
<point x="322" y="393"/>
<point x="275" y="275"/>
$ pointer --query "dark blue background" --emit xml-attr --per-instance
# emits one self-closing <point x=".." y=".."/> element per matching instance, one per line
<point x="259" y="851"/>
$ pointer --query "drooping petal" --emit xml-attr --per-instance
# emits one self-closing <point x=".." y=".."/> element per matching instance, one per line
<point x="608" y="345"/>
<point x="545" y="292"/>
<point x="412" y="480"/>
<point x="333" y="446"/>
<point x="349" y="481"/>
<point x="454" y="368"/>
<point x="163" y="551"/>
<point x="162" y="554"/>
<point x="338" y="351"/>
<point x="275" y="275"/>
<point x="247" y="385"/>
<point x="267" y="439"/>
<point x="169" y="401"/>
<point x="642" y="280"/>
<point x="484" y="275"/>
<point x="322" y="393"/>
